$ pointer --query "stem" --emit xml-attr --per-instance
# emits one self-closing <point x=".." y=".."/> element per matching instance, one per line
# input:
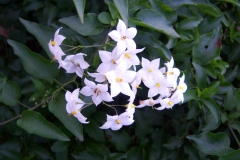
<point x="23" y="104"/>
<point x="234" y="135"/>
<point x="111" y="106"/>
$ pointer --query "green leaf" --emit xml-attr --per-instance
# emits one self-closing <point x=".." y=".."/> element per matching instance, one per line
<point x="211" y="23"/>
<point x="145" y="38"/>
<point x="84" y="155"/>
<point x="212" y="106"/>
<point x="80" y="5"/>
<point x="34" y="123"/>
<point x="58" y="108"/>
<point x="33" y="63"/>
<point x="153" y="20"/>
<point x="237" y="99"/>
<point x="231" y="74"/>
<point x="9" y="91"/>
<point x="183" y="47"/>
<point x="190" y="23"/>
<point x="93" y="130"/>
<point x="119" y="139"/>
<point x="190" y="95"/>
<point x="105" y="18"/>
<point x="229" y="102"/>
<point x="236" y="2"/>
<point x="91" y="25"/>
<point x="212" y="144"/>
<point x="211" y="123"/>
<point x="211" y="90"/>
<point x="42" y="33"/>
<point x="207" y="47"/>
<point x="113" y="11"/>
<point x="134" y="5"/>
<point x="122" y="7"/>
<point x="200" y="75"/>
<point x="231" y="156"/>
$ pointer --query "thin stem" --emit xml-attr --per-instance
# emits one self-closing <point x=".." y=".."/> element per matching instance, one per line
<point x="23" y="104"/>
<point x="234" y="135"/>
<point x="57" y="82"/>
<point x="111" y="106"/>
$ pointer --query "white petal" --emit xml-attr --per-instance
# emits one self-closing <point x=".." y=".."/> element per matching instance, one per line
<point x="81" y="118"/>
<point x="96" y="99"/>
<point x="105" y="56"/>
<point x="146" y="63"/>
<point x="125" y="88"/>
<point x="75" y="94"/>
<point x="129" y="76"/>
<point x="130" y="44"/>
<point x="131" y="32"/>
<point x="104" y="67"/>
<point x="126" y="118"/>
<point x="121" y="47"/>
<point x="87" y="91"/>
<point x="116" y="126"/>
<point x="107" y="125"/>
<point x="115" y="35"/>
<point x="155" y="63"/>
<point x="106" y="97"/>
<point x="111" y="76"/>
<point x="152" y="92"/>
<point x="121" y="27"/>
<point x="90" y="83"/>
<point x="68" y="96"/>
<point x="115" y="89"/>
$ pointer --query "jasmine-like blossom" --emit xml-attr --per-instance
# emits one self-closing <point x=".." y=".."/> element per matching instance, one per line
<point x="98" y="92"/>
<point x="123" y="37"/>
<point x="54" y="46"/>
<point x="116" y="122"/>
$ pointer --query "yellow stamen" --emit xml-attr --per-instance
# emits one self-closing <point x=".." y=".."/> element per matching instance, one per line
<point x="105" y="77"/>
<point x="118" y="121"/>
<point x="158" y="85"/>
<point x="113" y="61"/>
<point x="181" y="87"/>
<point x="124" y="37"/>
<point x="132" y="105"/>
<point x="150" y="70"/>
<point x="127" y="55"/>
<point x="171" y="73"/>
<point x="151" y="103"/>
<point x="137" y="86"/>
<point x="54" y="58"/>
<point x="53" y="43"/>
<point x="170" y="103"/>
<point x="73" y="113"/>
<point x="97" y="91"/>
<point x="119" y="80"/>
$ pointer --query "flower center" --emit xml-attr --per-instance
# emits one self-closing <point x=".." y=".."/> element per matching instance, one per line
<point x="171" y="73"/>
<point x="53" y="43"/>
<point x="118" y="121"/>
<point x="158" y="85"/>
<point x="54" y="58"/>
<point x="150" y="70"/>
<point x="181" y="87"/>
<point x="127" y="55"/>
<point x="113" y="61"/>
<point x="73" y="113"/>
<point x="97" y="91"/>
<point x="137" y="86"/>
<point x="119" y="80"/>
<point x="124" y="37"/>
<point x="170" y="103"/>
<point x="151" y="103"/>
<point x="132" y="106"/>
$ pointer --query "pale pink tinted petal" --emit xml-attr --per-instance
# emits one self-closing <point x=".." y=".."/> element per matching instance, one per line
<point x="75" y="93"/>
<point x="68" y="108"/>
<point x="131" y="32"/>
<point x="115" y="35"/>
<point x="121" y="27"/>
<point x="98" y="77"/>
<point x="87" y="91"/>
<point x="84" y="65"/>
<point x="59" y="39"/>
<point x="105" y="56"/>
<point x="90" y="83"/>
<point x="130" y="44"/>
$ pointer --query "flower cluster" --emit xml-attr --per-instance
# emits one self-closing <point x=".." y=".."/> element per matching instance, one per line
<point x="118" y="71"/>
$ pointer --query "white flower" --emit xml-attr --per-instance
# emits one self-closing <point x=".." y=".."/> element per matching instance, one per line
<point x="74" y="105"/>
<point x="147" y="102"/>
<point x="167" y="103"/>
<point x="99" y="77"/>
<point x="54" y="46"/>
<point x="116" y="122"/>
<point x="150" y="69"/>
<point x="159" y="85"/>
<point x="108" y="61"/>
<point x="119" y="80"/>
<point x="129" y="58"/>
<point x="98" y="92"/>
<point x="181" y="88"/>
<point x="75" y="63"/>
<point x="172" y="72"/>
<point x="123" y="37"/>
